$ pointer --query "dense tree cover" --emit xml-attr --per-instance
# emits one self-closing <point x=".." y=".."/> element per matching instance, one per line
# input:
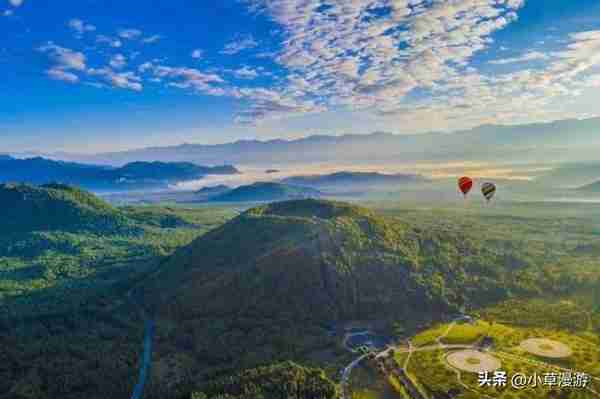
<point x="61" y="246"/>
<point x="91" y="354"/>
<point x="284" y="380"/>
<point x="261" y="289"/>
<point x="571" y="314"/>
<point x="56" y="207"/>
<point x="68" y="327"/>
<point x="328" y="261"/>
<point x="157" y="216"/>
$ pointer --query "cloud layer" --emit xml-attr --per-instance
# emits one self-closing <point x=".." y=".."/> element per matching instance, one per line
<point x="409" y="62"/>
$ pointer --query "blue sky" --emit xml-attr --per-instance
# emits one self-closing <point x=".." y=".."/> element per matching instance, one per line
<point x="93" y="75"/>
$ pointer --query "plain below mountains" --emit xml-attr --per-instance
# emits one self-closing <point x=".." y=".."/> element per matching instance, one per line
<point x="593" y="188"/>
<point x="355" y="181"/>
<point x="132" y="175"/>
<point x="571" y="175"/>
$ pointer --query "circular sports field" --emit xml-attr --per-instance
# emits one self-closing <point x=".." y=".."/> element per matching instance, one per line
<point x="546" y="348"/>
<point x="473" y="361"/>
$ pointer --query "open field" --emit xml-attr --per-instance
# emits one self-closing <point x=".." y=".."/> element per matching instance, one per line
<point x="439" y="370"/>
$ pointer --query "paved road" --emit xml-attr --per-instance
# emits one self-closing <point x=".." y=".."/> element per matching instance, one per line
<point x="346" y="374"/>
<point x="348" y="370"/>
<point x="146" y="360"/>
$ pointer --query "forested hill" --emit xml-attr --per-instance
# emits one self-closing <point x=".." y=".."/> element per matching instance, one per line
<point x="326" y="261"/>
<point x="55" y="207"/>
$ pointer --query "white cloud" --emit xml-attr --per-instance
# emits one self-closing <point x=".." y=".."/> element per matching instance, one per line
<point x="64" y="58"/>
<point x="345" y="54"/>
<point x="16" y="3"/>
<point x="270" y="104"/>
<point x="130" y="33"/>
<point x="113" y="42"/>
<point x="151" y="39"/>
<point x="122" y="80"/>
<point x="197" y="54"/>
<point x="60" y="74"/>
<point x="67" y="61"/>
<point x="246" y="73"/>
<point x="239" y="45"/>
<point x="80" y="27"/>
<point x="118" y="61"/>
<point x="401" y="61"/>
<point x="529" y="56"/>
<point x="145" y="67"/>
<point x="188" y="78"/>
<point x="373" y="53"/>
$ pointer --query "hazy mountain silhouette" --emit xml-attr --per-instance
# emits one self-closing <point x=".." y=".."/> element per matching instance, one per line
<point x="137" y="174"/>
<point x="532" y="142"/>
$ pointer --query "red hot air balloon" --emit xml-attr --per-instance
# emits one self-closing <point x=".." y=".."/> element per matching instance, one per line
<point x="465" y="184"/>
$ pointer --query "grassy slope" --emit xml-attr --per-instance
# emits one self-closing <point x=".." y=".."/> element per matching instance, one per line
<point x="431" y="370"/>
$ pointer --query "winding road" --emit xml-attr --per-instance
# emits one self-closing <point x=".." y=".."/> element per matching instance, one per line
<point x="346" y="375"/>
<point x="146" y="359"/>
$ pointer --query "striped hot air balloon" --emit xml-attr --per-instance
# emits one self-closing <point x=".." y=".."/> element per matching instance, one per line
<point x="488" y="190"/>
<point x="465" y="184"/>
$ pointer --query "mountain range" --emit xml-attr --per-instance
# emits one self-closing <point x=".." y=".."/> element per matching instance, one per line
<point x="532" y="142"/>
<point x="312" y="186"/>
<point x="132" y="175"/>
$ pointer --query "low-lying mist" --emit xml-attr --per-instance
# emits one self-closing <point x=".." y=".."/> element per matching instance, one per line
<point x="252" y="174"/>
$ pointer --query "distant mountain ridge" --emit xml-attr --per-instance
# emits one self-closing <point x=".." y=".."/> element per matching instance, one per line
<point x="213" y="190"/>
<point x="531" y="142"/>
<point x="136" y="174"/>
